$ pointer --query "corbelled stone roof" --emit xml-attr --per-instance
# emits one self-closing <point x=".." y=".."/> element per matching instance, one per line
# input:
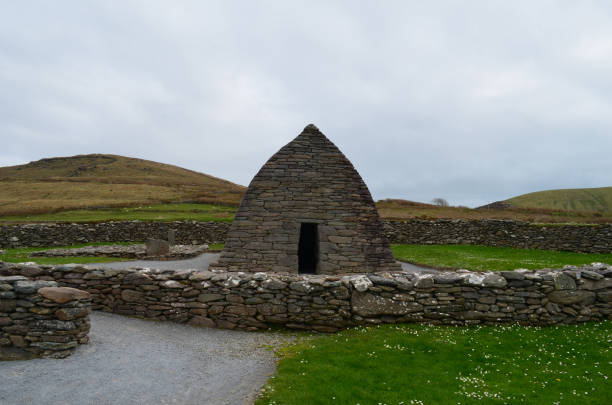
<point x="307" y="181"/>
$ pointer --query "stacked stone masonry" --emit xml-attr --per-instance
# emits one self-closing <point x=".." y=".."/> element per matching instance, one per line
<point x="38" y="318"/>
<point x="66" y="234"/>
<point x="308" y="182"/>
<point x="125" y="251"/>
<point x="576" y="238"/>
<point x="251" y="301"/>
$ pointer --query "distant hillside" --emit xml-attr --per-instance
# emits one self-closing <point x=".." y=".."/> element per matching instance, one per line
<point x="95" y="181"/>
<point x="396" y="209"/>
<point x="87" y="181"/>
<point x="577" y="199"/>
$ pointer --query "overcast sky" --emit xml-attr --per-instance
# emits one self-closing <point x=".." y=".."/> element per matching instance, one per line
<point x="471" y="101"/>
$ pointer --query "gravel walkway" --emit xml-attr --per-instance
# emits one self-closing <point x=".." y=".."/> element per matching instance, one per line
<point x="204" y="260"/>
<point x="133" y="361"/>
<point x="200" y="262"/>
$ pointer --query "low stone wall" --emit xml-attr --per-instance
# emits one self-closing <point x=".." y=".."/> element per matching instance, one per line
<point x="124" y="251"/>
<point x="577" y="238"/>
<point x="65" y="234"/>
<point x="251" y="301"/>
<point x="37" y="318"/>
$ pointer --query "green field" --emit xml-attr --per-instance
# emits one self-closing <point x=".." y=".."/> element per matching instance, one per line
<point x="476" y="257"/>
<point x="418" y="364"/>
<point x="577" y="199"/>
<point x="20" y="255"/>
<point x="156" y="212"/>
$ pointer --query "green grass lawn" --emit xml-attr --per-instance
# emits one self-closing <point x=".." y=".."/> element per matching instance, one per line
<point x="419" y="364"/>
<point x="475" y="257"/>
<point x="20" y="255"/>
<point x="159" y="212"/>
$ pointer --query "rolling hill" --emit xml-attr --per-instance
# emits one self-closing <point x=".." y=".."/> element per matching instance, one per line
<point x="577" y="199"/>
<point x="89" y="181"/>
<point x="64" y="184"/>
<point x="401" y="210"/>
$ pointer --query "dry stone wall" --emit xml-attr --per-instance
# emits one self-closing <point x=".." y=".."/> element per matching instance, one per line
<point x="577" y="238"/>
<point x="308" y="181"/>
<point x="38" y="318"/>
<point x="251" y="301"/>
<point x="574" y="238"/>
<point x="124" y="251"/>
<point x="66" y="234"/>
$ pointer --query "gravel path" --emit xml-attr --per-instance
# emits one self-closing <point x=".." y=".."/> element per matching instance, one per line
<point x="204" y="260"/>
<point x="413" y="268"/>
<point x="133" y="361"/>
<point x="200" y="262"/>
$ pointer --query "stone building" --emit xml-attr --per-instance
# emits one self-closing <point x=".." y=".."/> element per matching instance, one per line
<point x="307" y="211"/>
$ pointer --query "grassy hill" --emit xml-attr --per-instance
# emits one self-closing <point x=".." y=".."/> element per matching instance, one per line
<point x="577" y="199"/>
<point x="90" y="181"/>
<point x="109" y="187"/>
<point x="395" y="209"/>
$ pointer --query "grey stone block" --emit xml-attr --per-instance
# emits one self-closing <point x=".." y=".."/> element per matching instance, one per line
<point x="157" y="248"/>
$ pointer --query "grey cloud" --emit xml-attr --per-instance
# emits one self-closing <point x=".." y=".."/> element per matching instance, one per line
<point x="472" y="102"/>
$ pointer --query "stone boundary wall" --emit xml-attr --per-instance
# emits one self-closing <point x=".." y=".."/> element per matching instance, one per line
<point x="65" y="234"/>
<point x="252" y="301"/>
<point x="577" y="238"/>
<point x="124" y="251"/>
<point x="37" y="318"/>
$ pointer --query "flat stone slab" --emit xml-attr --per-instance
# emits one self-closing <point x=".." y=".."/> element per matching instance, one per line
<point x="133" y="361"/>
<point x="63" y="294"/>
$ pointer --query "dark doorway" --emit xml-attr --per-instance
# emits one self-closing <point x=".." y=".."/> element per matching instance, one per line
<point x="308" y="249"/>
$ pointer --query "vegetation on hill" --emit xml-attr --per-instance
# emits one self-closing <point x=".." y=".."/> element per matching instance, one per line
<point x="389" y="209"/>
<point x="90" y="181"/>
<point x="577" y="199"/>
<point x="109" y="187"/>
<point x="155" y="212"/>
<point x="423" y="364"/>
<point x="395" y="209"/>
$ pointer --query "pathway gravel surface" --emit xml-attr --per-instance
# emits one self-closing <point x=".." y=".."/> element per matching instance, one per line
<point x="133" y="361"/>
<point x="202" y="262"/>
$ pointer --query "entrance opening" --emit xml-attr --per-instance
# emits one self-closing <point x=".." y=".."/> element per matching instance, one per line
<point x="308" y="249"/>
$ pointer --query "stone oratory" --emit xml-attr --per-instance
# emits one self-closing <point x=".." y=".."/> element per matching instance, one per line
<point x="307" y="211"/>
